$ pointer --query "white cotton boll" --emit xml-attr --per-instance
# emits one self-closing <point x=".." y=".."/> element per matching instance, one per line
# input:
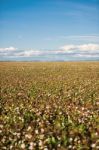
<point x="42" y="130"/>
<point x="36" y="132"/>
<point x="29" y="128"/>
<point x="45" y="148"/>
<point x="83" y="108"/>
<point x="40" y="143"/>
<point x="1" y="126"/>
<point x="71" y="139"/>
<point x="0" y="131"/>
<point x="93" y="145"/>
<point x="70" y="146"/>
<point x="22" y="145"/>
<point x="31" y="146"/>
<point x="29" y="136"/>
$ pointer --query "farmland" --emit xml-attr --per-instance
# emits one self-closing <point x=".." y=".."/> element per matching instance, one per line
<point x="49" y="105"/>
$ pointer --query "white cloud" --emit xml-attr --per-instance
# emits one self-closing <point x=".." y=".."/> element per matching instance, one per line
<point x="14" y="52"/>
<point x="29" y="53"/>
<point x="86" y="55"/>
<point x="88" y="47"/>
<point x="80" y="48"/>
<point x="88" y="38"/>
<point x="80" y="37"/>
<point x="82" y="51"/>
<point x="72" y="51"/>
<point x="67" y="48"/>
<point x="11" y="48"/>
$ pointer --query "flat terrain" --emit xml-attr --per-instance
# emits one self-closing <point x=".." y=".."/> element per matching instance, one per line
<point x="49" y="106"/>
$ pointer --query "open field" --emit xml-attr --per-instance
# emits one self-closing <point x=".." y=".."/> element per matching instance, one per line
<point x="49" y="106"/>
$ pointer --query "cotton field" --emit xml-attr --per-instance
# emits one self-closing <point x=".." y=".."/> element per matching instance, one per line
<point x="49" y="105"/>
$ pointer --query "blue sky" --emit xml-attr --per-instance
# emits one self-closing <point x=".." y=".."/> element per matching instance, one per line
<point x="49" y="30"/>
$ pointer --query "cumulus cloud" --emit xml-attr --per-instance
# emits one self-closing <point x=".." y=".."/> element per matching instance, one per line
<point x="14" y="52"/>
<point x="81" y="47"/>
<point x="82" y="51"/>
<point x="28" y="53"/>
<point x="11" y="48"/>
<point x="67" y="51"/>
<point x="88" y="47"/>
